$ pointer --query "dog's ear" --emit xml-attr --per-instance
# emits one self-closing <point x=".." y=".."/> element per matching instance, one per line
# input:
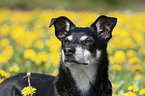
<point x="62" y="26"/>
<point x="104" y="26"/>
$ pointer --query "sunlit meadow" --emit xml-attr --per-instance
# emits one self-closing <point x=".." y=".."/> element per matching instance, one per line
<point x="27" y="44"/>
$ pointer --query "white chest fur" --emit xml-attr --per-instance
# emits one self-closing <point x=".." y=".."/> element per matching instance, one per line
<point x="83" y="75"/>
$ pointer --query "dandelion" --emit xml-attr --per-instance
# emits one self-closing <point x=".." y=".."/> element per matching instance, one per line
<point x="3" y="58"/>
<point x="5" y="29"/>
<point x="39" y="44"/>
<point x="43" y="56"/>
<point x="131" y="53"/>
<point x="1" y="80"/>
<point x="54" y="58"/>
<point x="55" y="62"/>
<point x="47" y="64"/>
<point x="54" y="44"/>
<point x="119" y="56"/>
<point x="137" y="68"/>
<point x="134" y="60"/>
<point x="13" y="69"/>
<point x="27" y="44"/>
<point x="4" y="42"/>
<point x="138" y="37"/>
<point x="114" y="95"/>
<point x="18" y="34"/>
<point x="117" y="67"/>
<point x="130" y="94"/>
<point x="129" y="43"/>
<point x="30" y="54"/>
<point x="142" y="51"/>
<point x="133" y="88"/>
<point x="112" y="60"/>
<point x="55" y="73"/>
<point x="4" y="74"/>
<point x="8" y="51"/>
<point x="29" y="90"/>
<point x="142" y="91"/>
<point x="113" y="85"/>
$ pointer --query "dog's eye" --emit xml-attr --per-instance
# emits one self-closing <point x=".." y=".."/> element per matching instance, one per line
<point x="87" y="41"/>
<point x="66" y="41"/>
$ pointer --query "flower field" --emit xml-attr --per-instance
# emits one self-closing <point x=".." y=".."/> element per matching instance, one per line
<point x="27" y="44"/>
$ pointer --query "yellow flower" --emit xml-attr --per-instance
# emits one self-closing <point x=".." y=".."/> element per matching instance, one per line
<point x="1" y="80"/>
<point x="119" y="56"/>
<point x="112" y="60"/>
<point x="27" y="44"/>
<point x="54" y="44"/>
<point x="39" y="44"/>
<point x="31" y="36"/>
<point x="29" y="90"/>
<point x="5" y="29"/>
<point x="14" y="69"/>
<point x="18" y="34"/>
<point x="30" y="54"/>
<point x="117" y="67"/>
<point x="43" y="56"/>
<point x="4" y="42"/>
<point x="38" y="60"/>
<point x="114" y="95"/>
<point x="8" y="51"/>
<point x="128" y="43"/>
<point x="54" y="57"/>
<point x="54" y="48"/>
<point x="113" y="85"/>
<point x="3" y="58"/>
<point x="55" y="73"/>
<point x="130" y="94"/>
<point x="137" y="68"/>
<point x="130" y="53"/>
<point x="142" y="51"/>
<point x="134" y="60"/>
<point x="133" y="88"/>
<point x="138" y="37"/>
<point x="4" y="74"/>
<point x="142" y="91"/>
<point x="47" y="64"/>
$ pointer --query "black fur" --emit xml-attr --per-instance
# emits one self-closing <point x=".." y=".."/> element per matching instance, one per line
<point x="64" y="84"/>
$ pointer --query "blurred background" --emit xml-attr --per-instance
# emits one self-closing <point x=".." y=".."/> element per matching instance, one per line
<point x="27" y="44"/>
<point x="76" y="5"/>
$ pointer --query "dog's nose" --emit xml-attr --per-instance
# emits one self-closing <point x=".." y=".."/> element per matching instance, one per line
<point x="69" y="51"/>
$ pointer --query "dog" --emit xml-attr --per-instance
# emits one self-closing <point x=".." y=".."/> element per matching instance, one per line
<point x="83" y="69"/>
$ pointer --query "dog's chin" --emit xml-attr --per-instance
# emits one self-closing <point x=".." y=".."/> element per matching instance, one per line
<point x="73" y="62"/>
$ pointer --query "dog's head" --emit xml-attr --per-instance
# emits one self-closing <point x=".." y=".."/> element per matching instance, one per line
<point x="83" y="46"/>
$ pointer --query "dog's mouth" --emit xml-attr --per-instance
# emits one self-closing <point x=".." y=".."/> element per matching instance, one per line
<point x="75" y="62"/>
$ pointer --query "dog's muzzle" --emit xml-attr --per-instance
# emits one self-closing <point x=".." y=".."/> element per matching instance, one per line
<point x="70" y="58"/>
<point x="69" y="51"/>
<point x="74" y="62"/>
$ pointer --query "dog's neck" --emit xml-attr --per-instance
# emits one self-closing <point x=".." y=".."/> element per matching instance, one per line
<point x="80" y="80"/>
<point x="84" y="76"/>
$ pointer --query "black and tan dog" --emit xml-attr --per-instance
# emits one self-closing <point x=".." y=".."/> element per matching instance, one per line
<point x="83" y="69"/>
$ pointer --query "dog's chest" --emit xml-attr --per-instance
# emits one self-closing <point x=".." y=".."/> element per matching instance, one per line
<point x="83" y="76"/>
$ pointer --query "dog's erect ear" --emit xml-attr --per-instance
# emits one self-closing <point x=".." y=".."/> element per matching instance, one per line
<point x="104" y="26"/>
<point x="62" y="26"/>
